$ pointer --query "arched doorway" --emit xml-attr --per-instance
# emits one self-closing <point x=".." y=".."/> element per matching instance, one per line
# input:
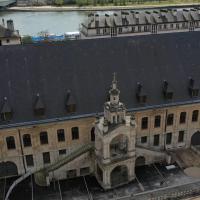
<point x="195" y="139"/>
<point x="119" y="175"/>
<point x="140" y="161"/>
<point x="8" y="169"/>
<point x="92" y="133"/>
<point x="119" y="146"/>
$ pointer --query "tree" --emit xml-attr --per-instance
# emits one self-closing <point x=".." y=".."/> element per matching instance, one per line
<point x="27" y="39"/>
<point x="59" y="2"/>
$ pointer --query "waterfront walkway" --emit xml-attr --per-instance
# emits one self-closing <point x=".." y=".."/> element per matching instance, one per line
<point x="98" y="8"/>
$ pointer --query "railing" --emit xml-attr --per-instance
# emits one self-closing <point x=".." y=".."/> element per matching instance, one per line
<point x="41" y="175"/>
<point x="20" y="179"/>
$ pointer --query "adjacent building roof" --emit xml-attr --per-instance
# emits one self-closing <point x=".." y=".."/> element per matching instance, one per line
<point x="85" y="67"/>
<point x="8" y="32"/>
<point x="143" y="17"/>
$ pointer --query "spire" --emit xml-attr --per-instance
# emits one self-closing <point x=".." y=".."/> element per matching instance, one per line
<point x="114" y="91"/>
<point x="114" y="82"/>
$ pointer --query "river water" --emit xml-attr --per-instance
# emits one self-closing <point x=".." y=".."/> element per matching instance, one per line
<point x="31" y="23"/>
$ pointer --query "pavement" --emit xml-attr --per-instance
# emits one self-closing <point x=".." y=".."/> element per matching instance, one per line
<point x="99" y="8"/>
<point x="155" y="179"/>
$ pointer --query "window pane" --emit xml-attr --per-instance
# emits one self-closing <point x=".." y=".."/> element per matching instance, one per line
<point x="170" y="119"/>
<point x="29" y="160"/>
<point x="144" y="139"/>
<point x="182" y="117"/>
<point x="43" y="138"/>
<point x="27" y="140"/>
<point x="46" y="158"/>
<point x="144" y="123"/>
<point x="181" y="136"/>
<point x="75" y="133"/>
<point x="10" y="142"/>
<point x="157" y="121"/>
<point x="168" y="138"/>
<point x="195" y="114"/>
<point x="62" y="152"/>
<point x="156" y="140"/>
<point x="61" y="135"/>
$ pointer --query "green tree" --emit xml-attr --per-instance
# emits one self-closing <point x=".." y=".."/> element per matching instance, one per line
<point x="27" y="39"/>
<point x="59" y="2"/>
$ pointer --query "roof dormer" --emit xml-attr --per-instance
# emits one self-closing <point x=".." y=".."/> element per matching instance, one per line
<point x="140" y="93"/>
<point x="167" y="91"/>
<point x="193" y="88"/>
<point x="39" y="108"/>
<point x="6" y="110"/>
<point x="70" y="102"/>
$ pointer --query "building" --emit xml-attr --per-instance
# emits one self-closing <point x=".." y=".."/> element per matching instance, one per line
<point x="8" y="35"/>
<point x="61" y="119"/>
<point x="134" y="22"/>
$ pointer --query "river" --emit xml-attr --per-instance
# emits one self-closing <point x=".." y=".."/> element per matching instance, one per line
<point x="31" y="23"/>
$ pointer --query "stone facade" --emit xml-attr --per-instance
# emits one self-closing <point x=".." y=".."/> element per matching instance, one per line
<point x="122" y="141"/>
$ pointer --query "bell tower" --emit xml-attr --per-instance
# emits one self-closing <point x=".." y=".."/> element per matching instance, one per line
<point x="115" y="134"/>
<point x="114" y="110"/>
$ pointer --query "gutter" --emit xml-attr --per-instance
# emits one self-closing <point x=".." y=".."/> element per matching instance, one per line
<point x="60" y="119"/>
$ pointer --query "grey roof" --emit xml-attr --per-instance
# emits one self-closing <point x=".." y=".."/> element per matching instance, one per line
<point x="145" y="17"/>
<point x="6" y="33"/>
<point x="86" y="66"/>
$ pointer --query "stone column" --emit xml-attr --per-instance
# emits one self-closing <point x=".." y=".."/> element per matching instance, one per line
<point x="106" y="179"/>
<point x="106" y="152"/>
<point x="131" y="169"/>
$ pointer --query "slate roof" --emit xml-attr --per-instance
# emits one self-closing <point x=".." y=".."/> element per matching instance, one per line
<point x="143" y="17"/>
<point x="85" y="67"/>
<point x="6" y="33"/>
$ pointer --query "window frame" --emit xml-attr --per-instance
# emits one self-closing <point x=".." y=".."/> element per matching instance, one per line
<point x="61" y="135"/>
<point x="27" y="140"/>
<point x="75" y="133"/>
<point x="144" y="123"/>
<point x="170" y="119"/>
<point x="157" y="121"/>
<point x="43" y="136"/>
<point x="168" y="141"/>
<point x="195" y="115"/>
<point x="181" y="136"/>
<point x="182" y="119"/>
<point x="46" y="158"/>
<point x="29" y="163"/>
<point x="10" y="142"/>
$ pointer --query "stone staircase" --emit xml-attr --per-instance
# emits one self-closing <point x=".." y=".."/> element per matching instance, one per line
<point x="186" y="158"/>
<point x="41" y="177"/>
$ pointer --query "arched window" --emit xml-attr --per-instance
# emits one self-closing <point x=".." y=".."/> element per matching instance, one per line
<point x="195" y="115"/>
<point x="27" y="140"/>
<point x="119" y="146"/>
<point x="182" y="118"/>
<point x="93" y="134"/>
<point x="10" y="142"/>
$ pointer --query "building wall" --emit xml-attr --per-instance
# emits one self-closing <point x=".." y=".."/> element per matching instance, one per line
<point x="143" y="29"/>
<point x="85" y="125"/>
<point x="53" y="146"/>
<point x="10" y="41"/>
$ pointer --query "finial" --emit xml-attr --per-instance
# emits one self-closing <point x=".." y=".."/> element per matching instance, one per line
<point x="114" y="77"/>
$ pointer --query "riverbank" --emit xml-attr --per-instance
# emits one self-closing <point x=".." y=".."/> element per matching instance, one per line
<point x="97" y="8"/>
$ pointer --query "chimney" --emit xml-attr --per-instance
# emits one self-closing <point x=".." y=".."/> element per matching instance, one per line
<point x="10" y="25"/>
<point x="3" y="22"/>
